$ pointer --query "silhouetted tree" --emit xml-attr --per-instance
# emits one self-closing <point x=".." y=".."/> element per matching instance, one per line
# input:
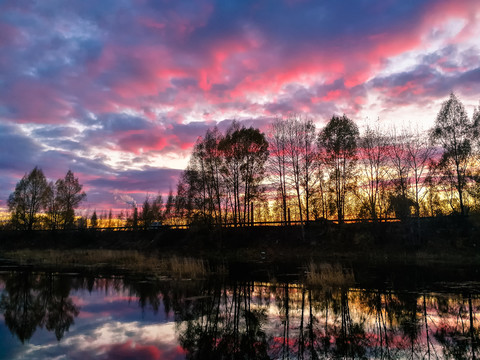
<point x="169" y="206"/>
<point x="146" y="216"/>
<point x="30" y="196"/>
<point x="94" y="220"/>
<point x="53" y="207"/>
<point x="372" y="170"/>
<point x="400" y="169"/>
<point x="277" y="165"/>
<point x="110" y="218"/>
<point x="157" y="208"/>
<point x="135" y="217"/>
<point x="183" y="200"/>
<point x="338" y="145"/>
<point x="419" y="154"/>
<point x="454" y="132"/>
<point x="301" y="156"/>
<point x="70" y="195"/>
<point x="245" y="151"/>
<point x="202" y="178"/>
<point x="224" y="173"/>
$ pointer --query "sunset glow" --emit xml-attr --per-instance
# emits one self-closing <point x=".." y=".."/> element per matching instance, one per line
<point x="119" y="91"/>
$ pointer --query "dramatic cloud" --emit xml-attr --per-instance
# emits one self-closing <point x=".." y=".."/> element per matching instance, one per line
<point x="119" y="91"/>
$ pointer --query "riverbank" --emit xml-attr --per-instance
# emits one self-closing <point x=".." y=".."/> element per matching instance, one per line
<point x="443" y="240"/>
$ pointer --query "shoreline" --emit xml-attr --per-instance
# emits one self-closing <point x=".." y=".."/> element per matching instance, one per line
<point x="450" y="241"/>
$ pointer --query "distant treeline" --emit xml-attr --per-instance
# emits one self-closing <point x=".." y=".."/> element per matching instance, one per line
<point x="55" y="201"/>
<point x="297" y="172"/>
<point x="293" y="172"/>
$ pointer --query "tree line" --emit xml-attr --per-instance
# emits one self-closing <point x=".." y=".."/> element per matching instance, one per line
<point x="56" y="201"/>
<point x="293" y="172"/>
<point x="297" y="172"/>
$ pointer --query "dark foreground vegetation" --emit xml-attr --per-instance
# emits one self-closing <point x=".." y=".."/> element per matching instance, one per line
<point x="440" y="239"/>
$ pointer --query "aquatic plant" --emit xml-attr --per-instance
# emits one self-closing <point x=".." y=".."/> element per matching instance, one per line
<point x="328" y="275"/>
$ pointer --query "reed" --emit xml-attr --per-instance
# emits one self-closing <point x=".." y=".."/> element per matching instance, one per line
<point x="129" y="260"/>
<point x="183" y="268"/>
<point x="328" y="276"/>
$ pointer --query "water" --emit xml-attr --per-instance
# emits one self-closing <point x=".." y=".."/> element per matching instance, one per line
<point x="371" y="312"/>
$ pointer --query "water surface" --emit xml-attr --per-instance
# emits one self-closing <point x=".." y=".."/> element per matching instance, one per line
<point x="367" y="312"/>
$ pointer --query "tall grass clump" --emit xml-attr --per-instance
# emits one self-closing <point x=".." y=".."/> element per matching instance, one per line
<point x="129" y="260"/>
<point x="186" y="268"/>
<point x="328" y="276"/>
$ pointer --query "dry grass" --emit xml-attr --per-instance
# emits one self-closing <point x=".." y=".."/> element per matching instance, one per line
<point x="328" y="275"/>
<point x="134" y="261"/>
<point x="186" y="267"/>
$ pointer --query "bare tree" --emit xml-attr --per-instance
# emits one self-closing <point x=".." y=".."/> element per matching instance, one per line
<point x="277" y="163"/>
<point x="399" y="198"/>
<point x="308" y="162"/>
<point x="419" y="154"/>
<point x="373" y="157"/>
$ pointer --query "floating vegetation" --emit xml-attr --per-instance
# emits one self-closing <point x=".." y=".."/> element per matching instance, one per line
<point x="328" y="276"/>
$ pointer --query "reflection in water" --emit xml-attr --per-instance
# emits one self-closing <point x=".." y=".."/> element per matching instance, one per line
<point x="30" y="301"/>
<point x="231" y="319"/>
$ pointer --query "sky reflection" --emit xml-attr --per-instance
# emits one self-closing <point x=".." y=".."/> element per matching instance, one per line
<point x="122" y="318"/>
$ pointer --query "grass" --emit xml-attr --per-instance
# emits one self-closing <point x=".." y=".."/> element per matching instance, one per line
<point x="186" y="267"/>
<point x="328" y="275"/>
<point x="129" y="260"/>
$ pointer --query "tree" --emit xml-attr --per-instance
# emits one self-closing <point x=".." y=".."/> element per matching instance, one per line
<point x="169" y="206"/>
<point x="400" y="170"/>
<point x="278" y="161"/>
<point x="94" y="219"/>
<point x="203" y="177"/>
<point x="476" y="122"/>
<point x="454" y="132"/>
<point x="419" y="155"/>
<point x="53" y="207"/>
<point x="183" y="200"/>
<point x="338" y="145"/>
<point x="146" y="216"/>
<point x="301" y="155"/>
<point x="308" y="159"/>
<point x="223" y="176"/>
<point x="135" y="217"/>
<point x="245" y="151"/>
<point x="110" y="218"/>
<point x="157" y="208"/>
<point x="373" y="170"/>
<point x="30" y="196"/>
<point x="69" y="195"/>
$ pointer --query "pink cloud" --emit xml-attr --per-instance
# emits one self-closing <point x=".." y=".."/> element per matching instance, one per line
<point x="132" y="350"/>
<point x="142" y="141"/>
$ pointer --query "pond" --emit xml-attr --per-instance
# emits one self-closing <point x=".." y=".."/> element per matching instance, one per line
<point x="321" y="311"/>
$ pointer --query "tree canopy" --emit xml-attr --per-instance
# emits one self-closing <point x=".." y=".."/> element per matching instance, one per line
<point x="30" y="196"/>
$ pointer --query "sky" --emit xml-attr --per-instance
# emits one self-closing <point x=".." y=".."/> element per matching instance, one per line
<point x="118" y="91"/>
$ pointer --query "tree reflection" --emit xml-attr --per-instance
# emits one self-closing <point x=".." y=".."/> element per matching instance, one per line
<point x="223" y="319"/>
<point x="30" y="301"/>
<point x="457" y="331"/>
<point x="223" y="325"/>
<point x="304" y="323"/>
